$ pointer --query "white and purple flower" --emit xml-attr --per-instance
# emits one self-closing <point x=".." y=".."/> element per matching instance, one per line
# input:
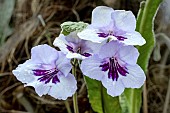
<point x="48" y="71"/>
<point x="113" y="25"/>
<point x="75" y="47"/>
<point x="115" y="66"/>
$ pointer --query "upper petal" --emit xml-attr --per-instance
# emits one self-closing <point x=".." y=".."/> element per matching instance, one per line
<point x="124" y="20"/>
<point x="101" y="16"/>
<point x="135" y="78"/>
<point x="44" y="54"/>
<point x="61" y="43"/>
<point x="128" y="54"/>
<point x="63" y="64"/>
<point x="109" y="49"/>
<point x="65" y="88"/>
<point x="91" y="35"/>
<point x="90" y="67"/>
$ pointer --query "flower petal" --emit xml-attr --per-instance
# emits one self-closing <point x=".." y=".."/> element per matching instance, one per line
<point x="133" y="38"/>
<point x="114" y="88"/>
<point x="128" y="54"/>
<point x="101" y="16"/>
<point x="75" y="55"/>
<point x="24" y="72"/>
<point x="91" y="35"/>
<point x="44" y="54"/>
<point x="90" y="67"/>
<point x="124" y="20"/>
<point x="40" y="88"/>
<point x="135" y="78"/>
<point x="65" y="88"/>
<point x="109" y="49"/>
<point x="61" y="43"/>
<point x="63" y="63"/>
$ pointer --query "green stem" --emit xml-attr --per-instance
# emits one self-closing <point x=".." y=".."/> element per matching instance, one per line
<point x="67" y="106"/>
<point x="75" y="102"/>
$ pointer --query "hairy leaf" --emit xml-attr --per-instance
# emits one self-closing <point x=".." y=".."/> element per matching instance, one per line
<point x="100" y="101"/>
<point x="145" y="26"/>
<point x="68" y="27"/>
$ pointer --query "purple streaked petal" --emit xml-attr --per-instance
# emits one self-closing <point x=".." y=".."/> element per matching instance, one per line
<point x="103" y="35"/>
<point x="70" y="48"/>
<point x="86" y="54"/>
<point x="90" y="67"/>
<point x="121" y="38"/>
<point x="105" y="66"/>
<point x="91" y="35"/>
<point x="47" y="75"/>
<point x="66" y="88"/>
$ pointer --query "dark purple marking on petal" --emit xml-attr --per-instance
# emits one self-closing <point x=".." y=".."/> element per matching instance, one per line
<point x="47" y="75"/>
<point x="86" y="54"/>
<point x="70" y="48"/>
<point x="105" y="66"/>
<point x="114" y="69"/>
<point x="103" y="35"/>
<point x="121" y="38"/>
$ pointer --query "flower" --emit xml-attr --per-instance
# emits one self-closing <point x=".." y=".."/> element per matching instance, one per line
<point x="113" y="25"/>
<point x="115" y="66"/>
<point x="48" y="72"/>
<point x="75" y="47"/>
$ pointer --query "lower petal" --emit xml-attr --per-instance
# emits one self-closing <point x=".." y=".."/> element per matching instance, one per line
<point x="114" y="88"/>
<point x="40" y="88"/>
<point x="65" y="88"/>
<point x="135" y="78"/>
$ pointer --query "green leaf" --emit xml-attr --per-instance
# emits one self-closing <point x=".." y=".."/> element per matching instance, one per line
<point x="100" y="101"/>
<point x="145" y="26"/>
<point x="6" y="10"/>
<point x="68" y="27"/>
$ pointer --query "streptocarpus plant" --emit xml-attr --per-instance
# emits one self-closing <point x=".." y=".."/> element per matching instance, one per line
<point x="104" y="50"/>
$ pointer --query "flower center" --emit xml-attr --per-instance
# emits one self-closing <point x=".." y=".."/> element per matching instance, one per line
<point x="78" y="50"/>
<point x="47" y="75"/>
<point x="114" y="69"/>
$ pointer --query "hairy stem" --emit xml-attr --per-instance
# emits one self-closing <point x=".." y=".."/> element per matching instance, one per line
<point x="75" y="102"/>
<point x="67" y="106"/>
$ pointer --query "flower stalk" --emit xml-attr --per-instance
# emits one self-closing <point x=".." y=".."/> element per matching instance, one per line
<point x="75" y="101"/>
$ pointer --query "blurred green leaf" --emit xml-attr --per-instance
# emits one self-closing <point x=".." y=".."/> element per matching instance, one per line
<point x="6" y="10"/>
<point x="100" y="101"/>
<point x="145" y="24"/>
